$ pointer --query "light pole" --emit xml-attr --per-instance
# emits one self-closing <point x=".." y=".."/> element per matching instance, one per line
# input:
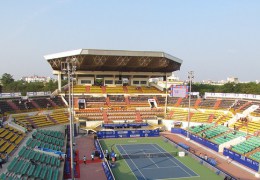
<point x="190" y="77"/>
<point x="70" y="69"/>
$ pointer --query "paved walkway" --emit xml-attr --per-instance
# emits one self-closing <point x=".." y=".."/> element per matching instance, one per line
<point x="92" y="170"/>
<point x="235" y="169"/>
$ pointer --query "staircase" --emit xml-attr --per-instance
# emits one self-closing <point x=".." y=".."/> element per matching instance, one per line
<point x="197" y="103"/>
<point x="108" y="101"/>
<point x="51" y="119"/>
<point x="170" y="114"/>
<point x="219" y="120"/>
<point x="35" y="105"/>
<point x="105" y="117"/>
<point x="244" y="105"/>
<point x="127" y="101"/>
<point x="87" y="89"/>
<point x="211" y="117"/>
<point x="75" y="102"/>
<point x="13" y="105"/>
<point x="191" y="114"/>
<point x="103" y="88"/>
<point x="138" y="117"/>
<point x="125" y="89"/>
<point x="52" y="103"/>
<point x="178" y="102"/>
<point x="252" y="152"/>
<point x="216" y="106"/>
<point x="31" y="122"/>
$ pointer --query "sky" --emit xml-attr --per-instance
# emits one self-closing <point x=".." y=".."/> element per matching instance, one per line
<point x="215" y="38"/>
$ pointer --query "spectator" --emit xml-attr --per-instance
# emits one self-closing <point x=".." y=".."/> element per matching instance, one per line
<point x="92" y="156"/>
<point x="61" y="159"/>
<point x="108" y="156"/>
<point x="6" y="156"/>
<point x="84" y="159"/>
<point x="206" y="157"/>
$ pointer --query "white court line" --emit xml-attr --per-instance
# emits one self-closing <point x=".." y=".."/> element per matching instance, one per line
<point x="162" y="167"/>
<point x="175" y="163"/>
<point x="128" y="166"/>
<point x="134" y="164"/>
<point x="177" y="178"/>
<point x="154" y="163"/>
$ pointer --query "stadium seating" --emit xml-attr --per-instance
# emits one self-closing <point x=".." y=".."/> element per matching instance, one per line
<point x="247" y="146"/>
<point x="5" y="107"/>
<point x="10" y="139"/>
<point x="150" y="90"/>
<point x="212" y="132"/>
<point x="114" y="90"/>
<point x="255" y="156"/>
<point x="31" y="164"/>
<point x="79" y="89"/>
<point x="207" y="103"/>
<point x="228" y="136"/>
<point x="250" y="126"/>
<point x="200" y="128"/>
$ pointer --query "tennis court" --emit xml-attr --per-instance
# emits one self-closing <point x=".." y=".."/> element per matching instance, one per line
<point x="150" y="161"/>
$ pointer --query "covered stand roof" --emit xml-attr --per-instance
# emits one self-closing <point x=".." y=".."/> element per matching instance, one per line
<point x="116" y="60"/>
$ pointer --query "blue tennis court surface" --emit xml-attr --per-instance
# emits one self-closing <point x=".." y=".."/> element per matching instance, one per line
<point x="163" y="167"/>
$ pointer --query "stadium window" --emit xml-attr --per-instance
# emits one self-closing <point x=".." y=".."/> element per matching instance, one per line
<point x="144" y="82"/>
<point x="85" y="82"/>
<point x="109" y="81"/>
<point x="118" y="82"/>
<point x="135" y="82"/>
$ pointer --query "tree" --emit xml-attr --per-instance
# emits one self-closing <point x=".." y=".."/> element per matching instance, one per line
<point x="7" y="79"/>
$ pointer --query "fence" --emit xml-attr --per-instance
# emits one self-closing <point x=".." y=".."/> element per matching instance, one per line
<point x="105" y="164"/>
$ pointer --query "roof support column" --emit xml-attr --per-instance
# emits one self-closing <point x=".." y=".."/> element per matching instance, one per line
<point x="166" y="93"/>
<point x="59" y="81"/>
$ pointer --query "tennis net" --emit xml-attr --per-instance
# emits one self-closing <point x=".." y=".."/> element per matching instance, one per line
<point x="147" y="155"/>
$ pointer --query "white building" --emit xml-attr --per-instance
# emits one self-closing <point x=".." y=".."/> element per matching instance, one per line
<point x="232" y="80"/>
<point x="36" y="78"/>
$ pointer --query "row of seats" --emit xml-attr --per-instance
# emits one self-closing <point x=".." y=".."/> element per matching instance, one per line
<point x="10" y="138"/>
<point x="255" y="156"/>
<point x="210" y="133"/>
<point x="48" y="139"/>
<point x="199" y="128"/>
<point x="35" y="121"/>
<point x="23" y="168"/>
<point x="46" y="159"/>
<point x="247" y="146"/>
<point x="227" y="137"/>
<point x="18" y="104"/>
<point x="115" y="89"/>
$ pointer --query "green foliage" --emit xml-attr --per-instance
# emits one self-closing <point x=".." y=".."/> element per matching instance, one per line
<point x="10" y="85"/>
<point x="7" y="79"/>
<point x="243" y="88"/>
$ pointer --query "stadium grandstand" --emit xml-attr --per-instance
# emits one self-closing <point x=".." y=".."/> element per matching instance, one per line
<point x="109" y="97"/>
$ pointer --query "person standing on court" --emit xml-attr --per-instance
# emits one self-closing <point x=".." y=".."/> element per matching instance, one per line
<point x="84" y="159"/>
<point x="92" y="156"/>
